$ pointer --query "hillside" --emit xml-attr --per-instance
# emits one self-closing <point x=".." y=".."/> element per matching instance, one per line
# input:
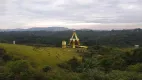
<point x="41" y="56"/>
<point x="42" y="63"/>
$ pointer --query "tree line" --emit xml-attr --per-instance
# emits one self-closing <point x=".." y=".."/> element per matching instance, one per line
<point x="119" y="38"/>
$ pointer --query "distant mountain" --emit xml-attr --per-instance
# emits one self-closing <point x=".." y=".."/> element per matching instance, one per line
<point x="6" y="30"/>
<point x="48" y="29"/>
<point x="85" y="29"/>
<point x="38" y="29"/>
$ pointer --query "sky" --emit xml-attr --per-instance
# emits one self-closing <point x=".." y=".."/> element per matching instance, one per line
<point x="78" y="14"/>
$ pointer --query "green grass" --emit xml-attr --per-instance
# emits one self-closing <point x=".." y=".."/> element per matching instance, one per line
<point x="41" y="56"/>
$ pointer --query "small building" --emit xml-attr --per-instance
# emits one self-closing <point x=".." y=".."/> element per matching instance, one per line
<point x="13" y="42"/>
<point x="63" y="44"/>
<point x="137" y="46"/>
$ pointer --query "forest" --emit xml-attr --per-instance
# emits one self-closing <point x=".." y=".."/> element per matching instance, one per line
<point x="117" y="38"/>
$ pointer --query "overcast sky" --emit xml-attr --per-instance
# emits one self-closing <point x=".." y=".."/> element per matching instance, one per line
<point x="96" y="14"/>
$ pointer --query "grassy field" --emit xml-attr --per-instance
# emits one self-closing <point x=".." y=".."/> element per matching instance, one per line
<point x="41" y="56"/>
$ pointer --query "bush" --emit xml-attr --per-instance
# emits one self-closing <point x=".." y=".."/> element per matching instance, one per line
<point x="6" y="58"/>
<point x="88" y="64"/>
<point x="46" y="69"/>
<point x="74" y="63"/>
<point x="2" y="77"/>
<point x="64" y="66"/>
<point x="94" y="74"/>
<point x="124" y="75"/>
<point x="71" y="65"/>
<point x="2" y="52"/>
<point x="106" y="63"/>
<point x="19" y="69"/>
<point x="39" y="76"/>
<point x="137" y="67"/>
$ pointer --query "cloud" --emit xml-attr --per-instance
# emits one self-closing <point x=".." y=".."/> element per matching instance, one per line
<point x="27" y="13"/>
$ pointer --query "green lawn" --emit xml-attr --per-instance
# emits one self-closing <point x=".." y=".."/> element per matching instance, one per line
<point x="41" y="56"/>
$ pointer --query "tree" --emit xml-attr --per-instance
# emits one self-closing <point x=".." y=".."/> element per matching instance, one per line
<point x="134" y="57"/>
<point x="137" y="67"/>
<point x="19" y="70"/>
<point x="137" y="55"/>
<point x="2" y="52"/>
<point x="74" y="63"/>
<point x="106" y="63"/>
<point x="46" y="69"/>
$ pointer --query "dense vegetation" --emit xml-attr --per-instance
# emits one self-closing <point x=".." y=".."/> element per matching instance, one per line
<point x="97" y="63"/>
<point x="119" y="38"/>
<point x="110" y="56"/>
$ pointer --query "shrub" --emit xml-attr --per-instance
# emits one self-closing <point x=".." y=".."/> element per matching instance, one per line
<point x="71" y="65"/>
<point x="94" y="74"/>
<point x="124" y="75"/>
<point x="46" y="69"/>
<point x="74" y="63"/>
<point x="137" y="67"/>
<point x="106" y="63"/>
<point x="2" y="52"/>
<point x="64" y="66"/>
<point x="6" y="58"/>
<point x="19" y="69"/>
